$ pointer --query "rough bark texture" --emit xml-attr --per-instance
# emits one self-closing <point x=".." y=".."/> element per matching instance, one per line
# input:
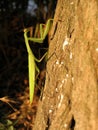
<point x="70" y="98"/>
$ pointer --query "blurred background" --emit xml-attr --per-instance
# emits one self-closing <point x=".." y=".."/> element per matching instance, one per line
<point x="15" y="15"/>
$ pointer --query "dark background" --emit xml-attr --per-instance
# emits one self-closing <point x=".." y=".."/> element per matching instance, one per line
<point x="15" y="15"/>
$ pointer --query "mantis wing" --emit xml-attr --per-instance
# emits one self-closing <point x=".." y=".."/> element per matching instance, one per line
<point x="31" y="66"/>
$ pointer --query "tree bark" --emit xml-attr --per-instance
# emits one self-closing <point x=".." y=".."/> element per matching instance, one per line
<point x="70" y="98"/>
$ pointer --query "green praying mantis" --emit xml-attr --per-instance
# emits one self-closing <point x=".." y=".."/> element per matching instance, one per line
<point x="31" y="58"/>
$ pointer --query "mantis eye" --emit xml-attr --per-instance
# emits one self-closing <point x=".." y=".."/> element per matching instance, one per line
<point x="24" y="30"/>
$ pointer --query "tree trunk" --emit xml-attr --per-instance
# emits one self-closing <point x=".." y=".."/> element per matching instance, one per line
<point x="70" y="98"/>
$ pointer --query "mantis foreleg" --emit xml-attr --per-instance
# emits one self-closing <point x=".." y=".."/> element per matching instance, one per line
<point x="43" y="32"/>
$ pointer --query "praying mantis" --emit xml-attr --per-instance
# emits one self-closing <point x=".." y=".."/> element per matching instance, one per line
<point x="31" y="58"/>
